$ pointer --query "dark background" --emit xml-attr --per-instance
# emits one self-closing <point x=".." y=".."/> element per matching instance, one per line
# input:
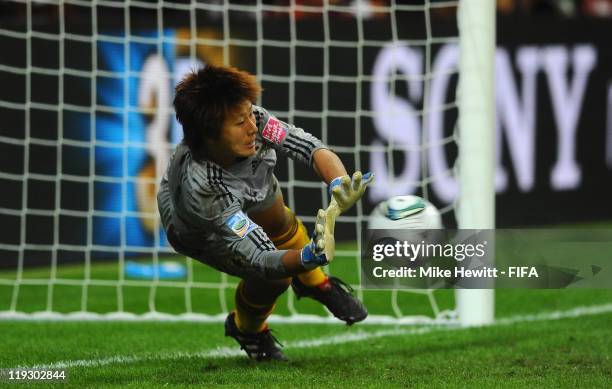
<point x="540" y="206"/>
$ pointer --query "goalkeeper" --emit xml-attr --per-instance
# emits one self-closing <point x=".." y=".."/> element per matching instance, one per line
<point x="221" y="204"/>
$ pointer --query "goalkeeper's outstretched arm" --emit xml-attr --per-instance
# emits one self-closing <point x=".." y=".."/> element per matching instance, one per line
<point x="343" y="190"/>
<point x="328" y="165"/>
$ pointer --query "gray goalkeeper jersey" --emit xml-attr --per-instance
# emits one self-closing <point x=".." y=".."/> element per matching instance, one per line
<point x="207" y="205"/>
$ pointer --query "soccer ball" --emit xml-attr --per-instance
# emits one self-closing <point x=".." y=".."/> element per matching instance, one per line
<point x="405" y="212"/>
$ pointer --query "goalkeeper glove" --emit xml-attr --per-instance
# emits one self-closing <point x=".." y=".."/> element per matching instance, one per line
<point x="346" y="192"/>
<point x="313" y="254"/>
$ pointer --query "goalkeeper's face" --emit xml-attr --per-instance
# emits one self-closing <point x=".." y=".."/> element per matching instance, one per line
<point x="237" y="137"/>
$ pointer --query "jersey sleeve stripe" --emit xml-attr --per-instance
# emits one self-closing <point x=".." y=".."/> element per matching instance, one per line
<point x="266" y="241"/>
<point x="263" y="239"/>
<point x="261" y="245"/>
<point x="303" y="141"/>
<point x="295" y="143"/>
<point x="215" y="181"/>
<point x="257" y="243"/>
<point x="222" y="184"/>
<point x="305" y="155"/>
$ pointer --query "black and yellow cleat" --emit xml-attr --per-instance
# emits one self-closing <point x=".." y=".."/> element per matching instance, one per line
<point x="262" y="346"/>
<point x="337" y="297"/>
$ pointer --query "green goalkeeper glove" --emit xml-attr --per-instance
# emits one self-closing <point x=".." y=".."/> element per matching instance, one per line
<point x="346" y="192"/>
<point x="313" y="254"/>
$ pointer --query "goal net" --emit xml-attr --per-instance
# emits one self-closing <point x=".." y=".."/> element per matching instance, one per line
<point x="88" y="127"/>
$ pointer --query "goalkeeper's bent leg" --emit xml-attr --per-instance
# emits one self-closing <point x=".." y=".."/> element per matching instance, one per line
<point x="255" y="301"/>
<point x="331" y="292"/>
<point x="296" y="237"/>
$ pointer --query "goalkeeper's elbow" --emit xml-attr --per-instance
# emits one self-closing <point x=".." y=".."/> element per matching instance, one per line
<point x="271" y="264"/>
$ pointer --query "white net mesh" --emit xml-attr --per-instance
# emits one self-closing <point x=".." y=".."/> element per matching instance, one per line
<point x="88" y="129"/>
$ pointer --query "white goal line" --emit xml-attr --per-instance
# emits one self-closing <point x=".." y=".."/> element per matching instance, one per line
<point x="350" y="337"/>
<point x="443" y="318"/>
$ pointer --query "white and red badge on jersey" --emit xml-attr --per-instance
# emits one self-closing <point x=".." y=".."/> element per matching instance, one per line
<point x="274" y="131"/>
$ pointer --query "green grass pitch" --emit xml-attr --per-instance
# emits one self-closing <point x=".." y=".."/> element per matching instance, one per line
<point x="558" y="347"/>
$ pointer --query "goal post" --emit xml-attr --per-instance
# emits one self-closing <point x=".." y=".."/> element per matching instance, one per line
<point x="476" y="101"/>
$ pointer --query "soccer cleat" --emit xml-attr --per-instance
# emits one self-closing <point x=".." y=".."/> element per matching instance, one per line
<point x="336" y="296"/>
<point x="262" y="346"/>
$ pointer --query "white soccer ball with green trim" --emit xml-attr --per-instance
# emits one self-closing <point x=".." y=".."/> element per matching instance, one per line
<point x="405" y="212"/>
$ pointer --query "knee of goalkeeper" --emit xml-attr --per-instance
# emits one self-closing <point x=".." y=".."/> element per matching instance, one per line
<point x="295" y="235"/>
